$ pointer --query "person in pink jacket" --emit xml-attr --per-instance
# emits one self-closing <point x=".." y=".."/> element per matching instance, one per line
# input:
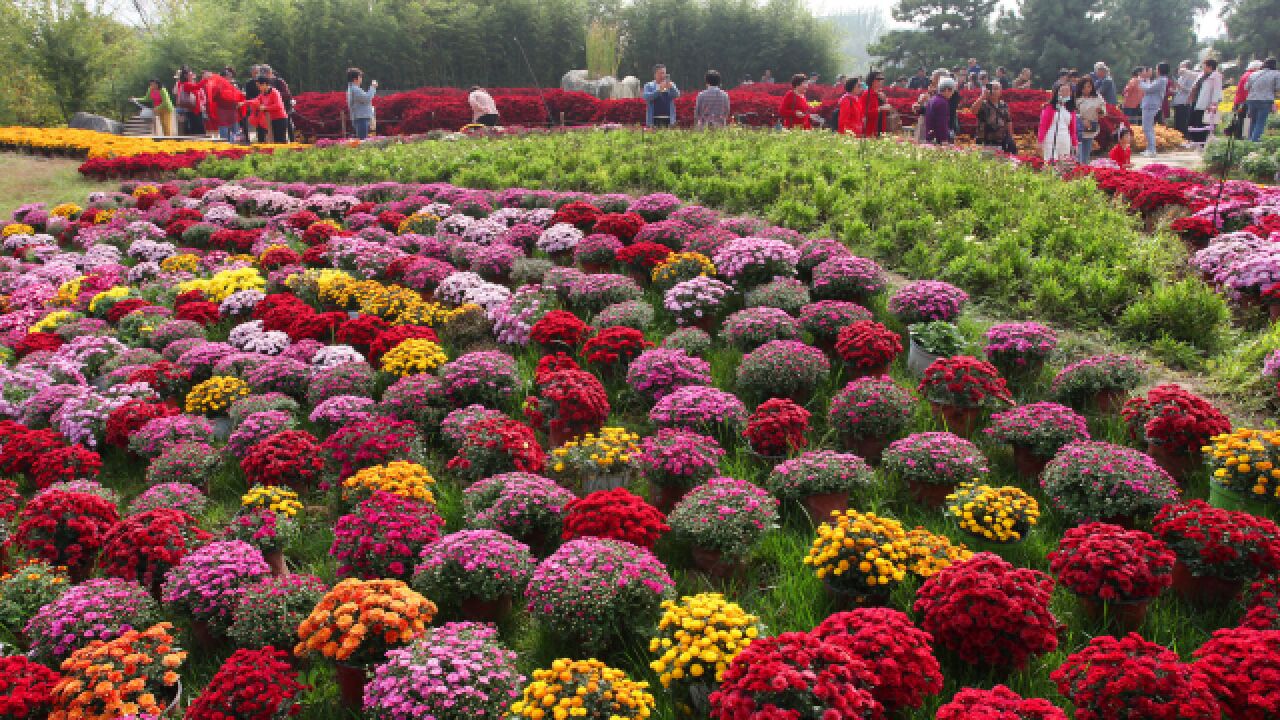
<point x="1058" y="126"/>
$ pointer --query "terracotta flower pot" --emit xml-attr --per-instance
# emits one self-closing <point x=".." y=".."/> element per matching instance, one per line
<point x="351" y="682"/>
<point x="557" y="437"/>
<point x="1273" y="311"/>
<point x="852" y="372"/>
<point x="714" y="564"/>
<point x="493" y="610"/>
<point x="869" y="449"/>
<point x="1180" y="466"/>
<point x="930" y="495"/>
<point x="1028" y="464"/>
<point x="205" y="636"/>
<point x="1204" y="591"/>
<point x="275" y="559"/>
<point x="959" y="420"/>
<point x="665" y="497"/>
<point x="1109" y="402"/>
<point x="594" y="268"/>
<point x="820" y="507"/>
<point x="1126" y="617"/>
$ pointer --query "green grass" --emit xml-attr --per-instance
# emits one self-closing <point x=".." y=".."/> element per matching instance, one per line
<point x="29" y="178"/>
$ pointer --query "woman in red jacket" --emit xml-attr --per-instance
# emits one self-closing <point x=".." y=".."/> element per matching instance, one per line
<point x="851" y="122"/>
<point x="794" y="110"/>
<point x="872" y="120"/>
<point x="224" y="103"/>
<point x="267" y="111"/>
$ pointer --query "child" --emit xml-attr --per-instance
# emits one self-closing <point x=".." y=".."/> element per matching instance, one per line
<point x="1121" y="154"/>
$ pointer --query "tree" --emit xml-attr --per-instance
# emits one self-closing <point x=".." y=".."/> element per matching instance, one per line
<point x="73" y="47"/>
<point x="856" y="32"/>
<point x="1052" y="34"/>
<point x="1253" y="27"/>
<point x="950" y="32"/>
<point x="1157" y="31"/>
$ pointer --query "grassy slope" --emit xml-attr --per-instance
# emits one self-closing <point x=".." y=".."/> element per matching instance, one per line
<point x="27" y="178"/>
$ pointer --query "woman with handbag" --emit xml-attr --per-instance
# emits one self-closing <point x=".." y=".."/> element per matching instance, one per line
<point x="1089" y="111"/>
<point x="1205" y="96"/>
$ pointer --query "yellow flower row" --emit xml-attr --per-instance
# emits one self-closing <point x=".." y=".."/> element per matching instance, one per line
<point x="701" y="634"/>
<point x="13" y="229"/>
<point x="860" y="551"/>
<point x="276" y="498"/>
<point x="998" y="514"/>
<point x="224" y="284"/>
<point x="1247" y="460"/>
<point x="103" y="145"/>
<point x="53" y="321"/>
<point x="583" y="688"/>
<point x="216" y="394"/>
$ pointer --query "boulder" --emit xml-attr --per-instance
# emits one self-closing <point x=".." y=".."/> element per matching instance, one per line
<point x="629" y="87"/>
<point x="89" y="121"/>
<point x="574" y="81"/>
<point x="603" y="89"/>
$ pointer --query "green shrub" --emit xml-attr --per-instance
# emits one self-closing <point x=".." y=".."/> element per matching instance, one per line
<point x="1186" y="312"/>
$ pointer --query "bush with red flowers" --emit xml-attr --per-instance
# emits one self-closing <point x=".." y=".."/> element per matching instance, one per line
<point x="998" y="703"/>
<point x="964" y="381"/>
<point x="371" y="442"/>
<point x="616" y="514"/>
<point x="549" y="365"/>
<point x="383" y="344"/>
<point x="278" y="256"/>
<point x="623" y="226"/>
<point x="1195" y="230"/>
<point x="205" y="313"/>
<point x="65" y="528"/>
<point x="899" y="653"/>
<point x="1108" y="562"/>
<point x="1263" y="603"/>
<point x="37" y="342"/>
<point x="143" y="547"/>
<point x="868" y="346"/>
<point x="167" y="379"/>
<point x="1180" y="421"/>
<point x="26" y="688"/>
<point x="24" y="448"/>
<point x="383" y="536"/>
<point x="360" y="332"/>
<point x="569" y="402"/>
<point x="581" y="215"/>
<point x="69" y="462"/>
<point x="1243" y="669"/>
<point x="315" y="326"/>
<point x="774" y="675"/>
<point x="1225" y="544"/>
<point x="253" y="684"/>
<point x="777" y="427"/>
<point x="125" y="308"/>
<point x="189" y="296"/>
<point x="498" y="445"/>
<point x="1133" y="679"/>
<point x="642" y="257"/>
<point x="615" y="347"/>
<point x="10" y="499"/>
<point x="988" y="612"/>
<point x="560" y="329"/>
<point x="291" y="457"/>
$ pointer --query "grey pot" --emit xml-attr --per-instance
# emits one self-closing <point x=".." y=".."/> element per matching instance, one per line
<point x="918" y="359"/>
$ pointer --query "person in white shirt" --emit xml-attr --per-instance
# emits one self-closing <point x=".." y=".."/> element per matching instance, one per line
<point x="1185" y="79"/>
<point x="483" y="110"/>
<point x="1206" y="93"/>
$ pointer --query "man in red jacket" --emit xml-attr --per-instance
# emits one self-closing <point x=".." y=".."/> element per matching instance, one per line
<point x="224" y="103"/>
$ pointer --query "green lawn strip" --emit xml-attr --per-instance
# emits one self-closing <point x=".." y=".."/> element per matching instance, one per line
<point x="28" y="179"/>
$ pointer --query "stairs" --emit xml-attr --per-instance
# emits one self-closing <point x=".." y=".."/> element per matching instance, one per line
<point x="139" y="126"/>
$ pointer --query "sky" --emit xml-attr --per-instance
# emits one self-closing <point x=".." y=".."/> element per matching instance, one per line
<point x="1209" y="25"/>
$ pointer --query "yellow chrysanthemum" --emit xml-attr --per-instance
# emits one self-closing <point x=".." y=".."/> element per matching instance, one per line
<point x="413" y="357"/>
<point x="1248" y="461"/>
<point x="186" y="262"/>
<point x="996" y="514"/>
<point x="700" y="636"/>
<point x="569" y="687"/>
<point x="860" y="553"/>
<point x="66" y="210"/>
<point x="406" y="479"/>
<point x="216" y="394"/>
<point x="17" y="229"/>
<point x="277" y="498"/>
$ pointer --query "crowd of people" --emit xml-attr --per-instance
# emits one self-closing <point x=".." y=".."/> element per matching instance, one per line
<point x="213" y="101"/>
<point x="1069" y="124"/>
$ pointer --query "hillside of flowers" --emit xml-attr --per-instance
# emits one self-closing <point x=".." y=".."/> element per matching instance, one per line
<point x="403" y="450"/>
